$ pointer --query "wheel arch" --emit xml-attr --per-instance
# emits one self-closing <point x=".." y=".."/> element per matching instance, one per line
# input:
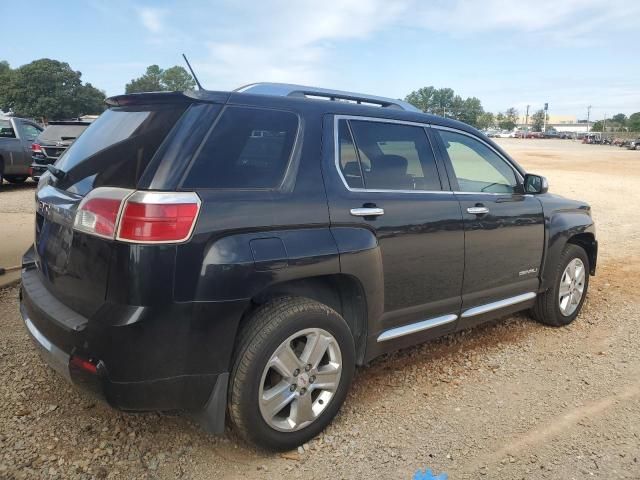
<point x="588" y="242"/>
<point x="343" y="293"/>
<point x="575" y="227"/>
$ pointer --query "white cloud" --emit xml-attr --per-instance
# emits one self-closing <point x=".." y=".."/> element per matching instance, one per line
<point x="152" y="18"/>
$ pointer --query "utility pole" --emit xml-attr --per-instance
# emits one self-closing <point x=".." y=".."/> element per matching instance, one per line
<point x="526" y="123"/>
<point x="588" y="117"/>
<point x="604" y="128"/>
<point x="546" y="109"/>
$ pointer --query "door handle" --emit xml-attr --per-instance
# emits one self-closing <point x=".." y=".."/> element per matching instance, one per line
<point x="477" y="210"/>
<point x="367" y="212"/>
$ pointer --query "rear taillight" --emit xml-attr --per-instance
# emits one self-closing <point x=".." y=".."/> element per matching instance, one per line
<point x="138" y="217"/>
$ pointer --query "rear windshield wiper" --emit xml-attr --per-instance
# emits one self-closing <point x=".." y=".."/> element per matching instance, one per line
<point x="56" y="172"/>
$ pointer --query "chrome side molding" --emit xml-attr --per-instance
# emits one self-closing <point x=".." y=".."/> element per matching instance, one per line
<point x="416" y="327"/>
<point x="489" y="307"/>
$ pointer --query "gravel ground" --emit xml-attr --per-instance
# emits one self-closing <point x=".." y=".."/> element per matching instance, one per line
<point x="507" y="400"/>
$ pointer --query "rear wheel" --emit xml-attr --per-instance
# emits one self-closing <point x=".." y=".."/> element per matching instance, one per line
<point x="561" y="304"/>
<point x="16" y="179"/>
<point x="292" y="370"/>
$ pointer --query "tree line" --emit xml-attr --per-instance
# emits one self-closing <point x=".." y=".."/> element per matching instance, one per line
<point x="48" y="89"/>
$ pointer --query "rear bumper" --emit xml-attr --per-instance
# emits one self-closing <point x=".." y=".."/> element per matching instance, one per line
<point x="176" y="358"/>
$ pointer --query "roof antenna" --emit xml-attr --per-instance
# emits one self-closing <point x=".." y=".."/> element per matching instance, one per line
<point x="192" y="72"/>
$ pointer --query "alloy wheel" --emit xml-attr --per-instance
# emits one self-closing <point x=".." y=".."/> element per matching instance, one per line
<point x="300" y="379"/>
<point x="571" y="287"/>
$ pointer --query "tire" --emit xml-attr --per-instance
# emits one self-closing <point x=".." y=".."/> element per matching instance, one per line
<point x="548" y="308"/>
<point x="1" y="171"/>
<point x="271" y="328"/>
<point x="17" y="179"/>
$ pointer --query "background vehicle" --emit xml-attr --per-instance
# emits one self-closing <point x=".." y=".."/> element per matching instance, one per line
<point x="52" y="142"/>
<point x="244" y="251"/>
<point x="16" y="136"/>
<point x="634" y="144"/>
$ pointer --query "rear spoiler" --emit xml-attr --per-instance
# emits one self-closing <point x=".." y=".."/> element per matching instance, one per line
<point x="146" y="98"/>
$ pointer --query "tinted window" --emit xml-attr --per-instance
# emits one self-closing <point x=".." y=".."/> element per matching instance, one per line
<point x="116" y="148"/>
<point x="60" y="133"/>
<point x="248" y="148"/>
<point x="477" y="167"/>
<point x="28" y="132"/>
<point x="395" y="157"/>
<point x="6" y="130"/>
<point x="348" y="157"/>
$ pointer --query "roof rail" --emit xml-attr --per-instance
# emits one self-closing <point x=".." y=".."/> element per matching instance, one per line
<point x="289" y="90"/>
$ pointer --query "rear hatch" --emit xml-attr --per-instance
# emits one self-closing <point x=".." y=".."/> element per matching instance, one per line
<point x="114" y="151"/>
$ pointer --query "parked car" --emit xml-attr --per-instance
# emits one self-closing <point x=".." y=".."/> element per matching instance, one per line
<point x="592" y="138"/>
<point x="634" y="144"/>
<point x="53" y="142"/>
<point x="506" y="134"/>
<point x="243" y="251"/>
<point x="16" y="136"/>
<point x="551" y="134"/>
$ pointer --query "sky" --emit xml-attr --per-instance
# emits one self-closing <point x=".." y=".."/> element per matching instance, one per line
<point x="569" y="53"/>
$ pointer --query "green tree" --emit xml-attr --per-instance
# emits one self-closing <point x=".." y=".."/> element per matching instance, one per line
<point x="151" y="81"/>
<point x="485" y="120"/>
<point x="620" y="118"/>
<point x="445" y="102"/>
<point x="507" y="120"/>
<point x="48" y="89"/>
<point x="634" y="122"/>
<point x="177" y="79"/>
<point x="537" y="120"/>
<point x="598" y="126"/>
<point x="157" y="80"/>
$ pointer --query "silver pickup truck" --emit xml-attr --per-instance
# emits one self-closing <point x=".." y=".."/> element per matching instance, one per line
<point x="16" y="137"/>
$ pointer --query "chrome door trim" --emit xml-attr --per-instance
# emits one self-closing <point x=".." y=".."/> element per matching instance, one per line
<point x="367" y="212"/>
<point x="416" y="327"/>
<point x="489" y="307"/>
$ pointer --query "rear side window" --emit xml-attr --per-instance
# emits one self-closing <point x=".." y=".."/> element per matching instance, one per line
<point x="394" y="156"/>
<point x="248" y="148"/>
<point x="28" y="132"/>
<point x="115" y="150"/>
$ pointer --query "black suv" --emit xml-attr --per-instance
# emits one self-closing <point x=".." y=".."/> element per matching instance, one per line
<point x="52" y="143"/>
<point x="244" y="251"/>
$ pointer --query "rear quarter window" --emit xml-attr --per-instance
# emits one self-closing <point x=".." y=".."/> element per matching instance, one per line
<point x="249" y="148"/>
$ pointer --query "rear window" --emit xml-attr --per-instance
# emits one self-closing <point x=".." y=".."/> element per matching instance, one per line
<point x="6" y="130"/>
<point x="61" y="133"/>
<point x="116" y="148"/>
<point x="248" y="148"/>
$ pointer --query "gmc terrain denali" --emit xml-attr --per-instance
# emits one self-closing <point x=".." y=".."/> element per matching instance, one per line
<point x="243" y="251"/>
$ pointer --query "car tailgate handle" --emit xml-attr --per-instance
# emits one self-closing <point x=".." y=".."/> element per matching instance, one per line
<point x="367" y="212"/>
<point x="477" y="210"/>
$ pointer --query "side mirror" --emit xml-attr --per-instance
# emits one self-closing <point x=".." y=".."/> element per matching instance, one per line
<point x="535" y="184"/>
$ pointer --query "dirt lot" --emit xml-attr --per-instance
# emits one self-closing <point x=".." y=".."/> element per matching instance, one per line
<point x="508" y="400"/>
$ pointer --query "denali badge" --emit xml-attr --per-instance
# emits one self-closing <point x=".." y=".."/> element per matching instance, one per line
<point x="527" y="272"/>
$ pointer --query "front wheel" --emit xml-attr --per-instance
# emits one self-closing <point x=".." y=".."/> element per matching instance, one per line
<point x="292" y="371"/>
<point x="561" y="304"/>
